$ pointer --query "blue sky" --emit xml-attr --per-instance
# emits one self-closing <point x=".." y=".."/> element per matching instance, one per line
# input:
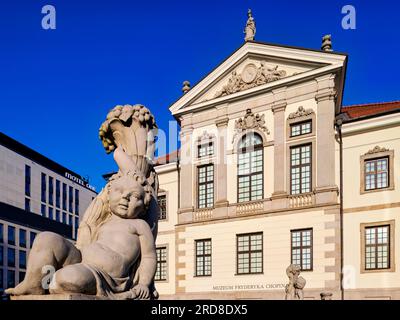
<point x="56" y="86"/>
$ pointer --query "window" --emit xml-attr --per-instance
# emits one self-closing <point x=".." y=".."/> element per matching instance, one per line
<point x="27" y="180"/>
<point x="300" y="169"/>
<point x="71" y="199"/>
<point x="32" y="237"/>
<point x="43" y="197"/>
<point x="377" y="247"/>
<point x="43" y="210"/>
<point x="27" y="205"/>
<point x="70" y="221"/>
<point x="298" y="129"/>
<point x="64" y="217"/>
<point x="76" y="226"/>
<point x="10" y="279"/>
<point x="376" y="173"/>
<point x="204" y="150"/>
<point x="205" y="178"/>
<point x="1" y="279"/>
<point x="22" y="238"/>
<point x="249" y="253"/>
<point x="250" y="168"/>
<point x="302" y="248"/>
<point x="51" y="213"/>
<point x="51" y="191"/>
<point x="11" y="235"/>
<point x="162" y="202"/>
<point x="1" y="233"/>
<point x="377" y="170"/>
<point x="203" y="257"/>
<point x="58" y="193"/>
<point x="11" y="257"/>
<point x="58" y="216"/>
<point x="21" y="276"/>
<point x="64" y="197"/>
<point x="161" y="271"/>
<point x="22" y="259"/>
<point x="1" y="258"/>
<point x="76" y="201"/>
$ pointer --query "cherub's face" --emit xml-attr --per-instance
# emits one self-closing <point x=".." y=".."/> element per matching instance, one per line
<point x="126" y="197"/>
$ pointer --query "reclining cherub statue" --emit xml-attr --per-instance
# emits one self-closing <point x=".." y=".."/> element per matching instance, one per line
<point x="115" y="255"/>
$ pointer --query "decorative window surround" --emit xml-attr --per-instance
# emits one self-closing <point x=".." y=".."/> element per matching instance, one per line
<point x="392" y="266"/>
<point x="300" y="116"/>
<point x="377" y="153"/>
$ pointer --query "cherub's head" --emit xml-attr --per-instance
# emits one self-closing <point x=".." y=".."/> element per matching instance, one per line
<point x="128" y="196"/>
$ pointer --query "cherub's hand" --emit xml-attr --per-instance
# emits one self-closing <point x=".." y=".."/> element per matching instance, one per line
<point x="142" y="291"/>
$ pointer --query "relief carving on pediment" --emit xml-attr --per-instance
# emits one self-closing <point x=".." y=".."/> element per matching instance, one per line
<point x="251" y="76"/>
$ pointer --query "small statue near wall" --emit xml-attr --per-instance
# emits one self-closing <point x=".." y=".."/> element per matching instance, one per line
<point x="294" y="289"/>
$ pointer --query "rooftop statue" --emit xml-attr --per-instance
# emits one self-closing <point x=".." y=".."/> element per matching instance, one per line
<point x="115" y="255"/>
<point x="250" y="29"/>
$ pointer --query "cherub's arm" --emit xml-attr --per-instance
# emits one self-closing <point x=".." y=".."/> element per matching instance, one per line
<point x="148" y="261"/>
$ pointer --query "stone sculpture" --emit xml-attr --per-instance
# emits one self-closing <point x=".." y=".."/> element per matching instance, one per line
<point x="251" y="76"/>
<point x="250" y="29"/>
<point x="114" y="256"/>
<point x="294" y="289"/>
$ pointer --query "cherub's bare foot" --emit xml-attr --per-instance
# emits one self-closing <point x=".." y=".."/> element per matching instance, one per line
<point x="24" y="289"/>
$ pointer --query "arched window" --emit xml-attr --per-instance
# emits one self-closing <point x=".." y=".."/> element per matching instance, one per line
<point x="250" y="168"/>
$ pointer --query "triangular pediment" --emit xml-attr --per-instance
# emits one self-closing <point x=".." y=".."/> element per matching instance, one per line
<point x="256" y="66"/>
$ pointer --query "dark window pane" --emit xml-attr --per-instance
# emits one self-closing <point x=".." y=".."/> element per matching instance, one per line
<point x="10" y="279"/>
<point x="51" y="216"/>
<point x="71" y="199"/>
<point x="32" y="237"/>
<point x="27" y="205"/>
<point x="22" y="259"/>
<point x="43" y="210"/>
<point x="1" y="233"/>
<point x="22" y="238"/>
<point x="1" y="279"/>
<point x="44" y="187"/>
<point x="64" y="197"/>
<point x="11" y="235"/>
<point x="1" y="257"/>
<point x="51" y="191"/>
<point x="76" y="201"/>
<point x="11" y="257"/>
<point x="21" y="276"/>
<point x="58" y="193"/>
<point x="27" y="180"/>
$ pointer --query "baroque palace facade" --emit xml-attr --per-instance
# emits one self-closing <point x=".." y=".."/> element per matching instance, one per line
<point x="272" y="170"/>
